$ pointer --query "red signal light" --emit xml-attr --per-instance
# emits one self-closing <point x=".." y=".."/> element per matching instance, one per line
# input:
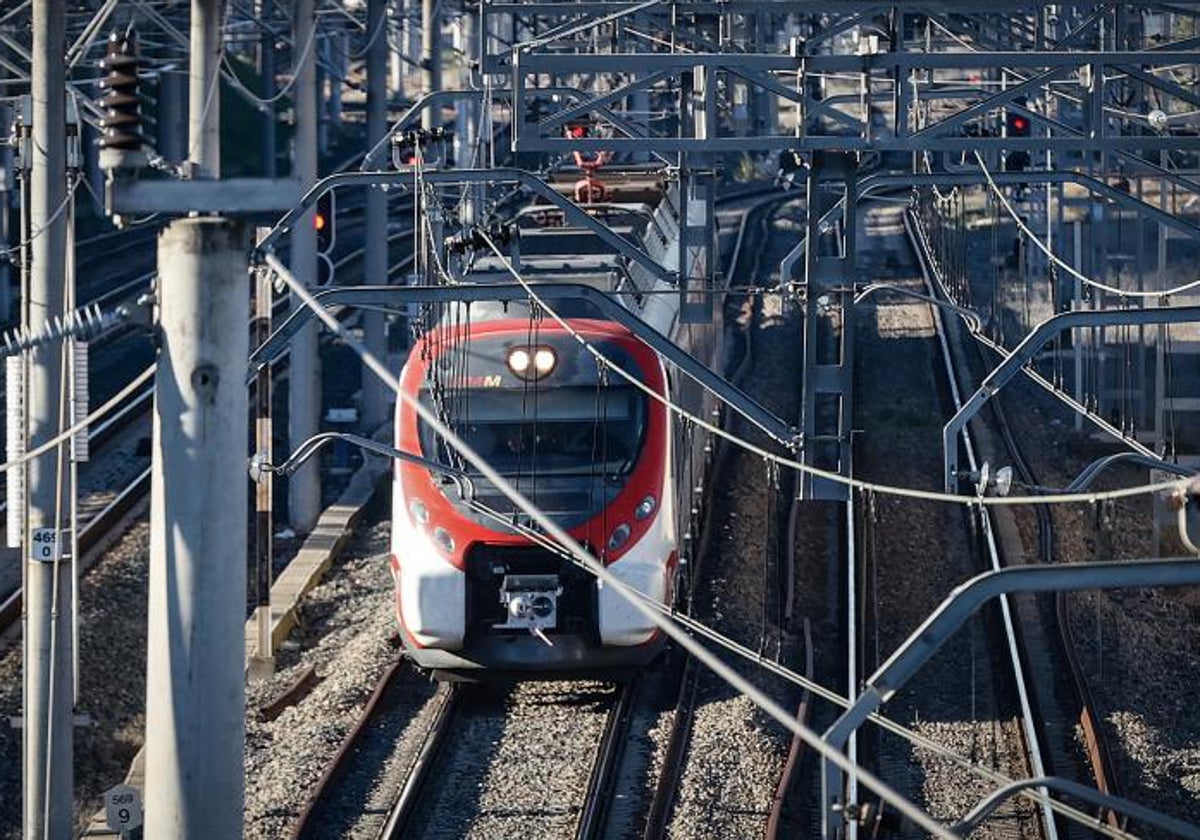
<point x="1020" y="123"/>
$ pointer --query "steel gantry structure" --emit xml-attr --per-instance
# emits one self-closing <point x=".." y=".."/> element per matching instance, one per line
<point x="836" y="94"/>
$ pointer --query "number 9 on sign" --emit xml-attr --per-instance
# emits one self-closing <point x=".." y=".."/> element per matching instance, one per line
<point x="44" y="545"/>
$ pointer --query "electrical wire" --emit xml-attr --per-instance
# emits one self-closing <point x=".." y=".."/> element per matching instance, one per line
<point x="283" y="91"/>
<point x="660" y="613"/>
<point x="607" y="578"/>
<point x="1041" y="246"/>
<point x="903" y="492"/>
<point x="778" y="669"/>
<point x="16" y="249"/>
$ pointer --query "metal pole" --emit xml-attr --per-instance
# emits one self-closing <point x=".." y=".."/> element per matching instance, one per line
<point x="266" y="65"/>
<point x="374" y="393"/>
<point x="264" y="662"/>
<point x="204" y="99"/>
<point x="321" y="48"/>
<point x="172" y="127"/>
<point x="7" y="185"/>
<point x="431" y="56"/>
<point x="48" y="713"/>
<point x="469" y="151"/>
<point x="195" y="690"/>
<point x="304" y="375"/>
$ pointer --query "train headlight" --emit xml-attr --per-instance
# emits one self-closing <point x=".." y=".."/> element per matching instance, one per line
<point x="519" y="361"/>
<point x="420" y="513"/>
<point x="544" y="360"/>
<point x="532" y="362"/>
<point x="443" y="539"/>
<point x="645" y="507"/>
<point x="619" y="537"/>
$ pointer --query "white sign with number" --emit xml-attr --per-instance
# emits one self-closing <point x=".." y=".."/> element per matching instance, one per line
<point x="123" y="808"/>
<point x="44" y="546"/>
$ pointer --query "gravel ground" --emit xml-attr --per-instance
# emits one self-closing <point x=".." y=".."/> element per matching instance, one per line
<point x="1138" y="648"/>
<point x="735" y="754"/>
<point x="956" y="699"/>
<point x="113" y="608"/>
<point x="345" y="629"/>
<point x="517" y="764"/>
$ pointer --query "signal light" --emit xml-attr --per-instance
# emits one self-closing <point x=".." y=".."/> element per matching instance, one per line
<point x="323" y="223"/>
<point x="1017" y="125"/>
<point x="122" y="108"/>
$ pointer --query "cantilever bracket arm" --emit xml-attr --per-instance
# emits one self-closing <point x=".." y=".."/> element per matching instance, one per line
<point x="1042" y="334"/>
<point x="970" y="176"/>
<point x="259" y="469"/>
<point x="968" y="315"/>
<point x="1105" y="800"/>
<point x="398" y="297"/>
<point x="529" y="180"/>
<point x="963" y="602"/>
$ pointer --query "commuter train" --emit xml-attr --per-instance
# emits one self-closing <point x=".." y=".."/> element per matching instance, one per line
<point x="475" y="588"/>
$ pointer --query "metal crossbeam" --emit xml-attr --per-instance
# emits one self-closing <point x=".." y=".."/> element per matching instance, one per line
<point x="404" y="177"/>
<point x="399" y="297"/>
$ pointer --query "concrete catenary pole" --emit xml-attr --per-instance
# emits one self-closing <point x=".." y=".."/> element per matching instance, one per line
<point x="195" y="690"/>
<point x="204" y="95"/>
<point x="49" y="690"/>
<point x="195" y="694"/>
<point x="304" y="367"/>
<point x="431" y="57"/>
<point x="374" y="394"/>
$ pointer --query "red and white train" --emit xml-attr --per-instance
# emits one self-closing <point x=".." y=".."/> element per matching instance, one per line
<point x="602" y="458"/>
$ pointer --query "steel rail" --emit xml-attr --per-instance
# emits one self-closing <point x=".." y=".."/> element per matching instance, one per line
<point x="796" y="751"/>
<point x="405" y="807"/>
<point x="336" y="766"/>
<point x="91" y="535"/>
<point x="658" y="817"/>
<point x="603" y="779"/>
<point x="1097" y="749"/>
<point x="1011" y="632"/>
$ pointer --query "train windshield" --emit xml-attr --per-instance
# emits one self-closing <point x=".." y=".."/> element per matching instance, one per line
<point x="570" y="431"/>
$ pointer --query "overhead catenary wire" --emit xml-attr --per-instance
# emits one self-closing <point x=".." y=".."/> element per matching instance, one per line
<point x="778" y="669"/>
<point x="1071" y="270"/>
<point x="702" y="630"/>
<point x="283" y="91"/>
<point x="671" y="628"/>
<point x="1174" y="485"/>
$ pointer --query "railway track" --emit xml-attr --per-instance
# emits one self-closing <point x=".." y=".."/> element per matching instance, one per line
<point x="775" y="577"/>
<point x="1064" y="698"/>
<point x="99" y="521"/>
<point x="898" y="559"/>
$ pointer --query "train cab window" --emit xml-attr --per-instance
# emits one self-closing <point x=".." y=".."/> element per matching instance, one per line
<point x="555" y="432"/>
